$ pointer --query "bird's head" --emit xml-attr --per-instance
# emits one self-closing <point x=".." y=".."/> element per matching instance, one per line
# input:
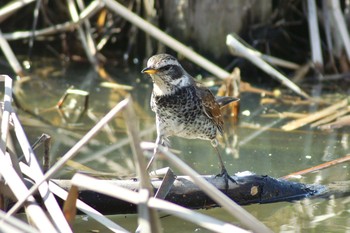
<point x="167" y="74"/>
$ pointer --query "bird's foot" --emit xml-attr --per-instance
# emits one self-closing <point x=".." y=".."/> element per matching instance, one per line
<point x="226" y="177"/>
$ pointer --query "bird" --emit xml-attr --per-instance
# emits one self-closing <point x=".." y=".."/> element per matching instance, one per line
<point x="183" y="107"/>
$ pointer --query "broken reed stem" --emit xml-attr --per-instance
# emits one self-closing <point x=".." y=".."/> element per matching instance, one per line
<point x="294" y="115"/>
<point x="88" y="34"/>
<point x="334" y="116"/>
<point x="12" y="7"/>
<point x="10" y="56"/>
<point x="340" y="24"/>
<point x="43" y="139"/>
<point x="6" y="112"/>
<point x="69" y="208"/>
<point x="6" y="143"/>
<point x="46" y="160"/>
<point x="133" y="133"/>
<point x="151" y="215"/>
<point x="236" y="47"/>
<point x="89" y="50"/>
<point x="326" y="13"/>
<point x="314" y="33"/>
<point x="315" y="116"/>
<point x="318" y="167"/>
<point x="280" y="62"/>
<point x="70" y="154"/>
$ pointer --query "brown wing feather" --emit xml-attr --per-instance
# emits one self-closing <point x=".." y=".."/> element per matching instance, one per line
<point x="210" y="106"/>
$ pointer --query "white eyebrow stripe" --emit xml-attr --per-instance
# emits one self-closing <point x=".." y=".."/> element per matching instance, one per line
<point x="164" y="63"/>
<point x="184" y="81"/>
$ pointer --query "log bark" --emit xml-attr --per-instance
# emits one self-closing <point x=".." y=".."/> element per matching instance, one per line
<point x="248" y="190"/>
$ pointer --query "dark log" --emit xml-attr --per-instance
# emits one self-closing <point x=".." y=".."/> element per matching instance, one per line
<point x="248" y="190"/>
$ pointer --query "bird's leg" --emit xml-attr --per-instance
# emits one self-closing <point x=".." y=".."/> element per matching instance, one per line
<point x="155" y="151"/>
<point x="223" y="172"/>
<point x="160" y="141"/>
<point x="151" y="161"/>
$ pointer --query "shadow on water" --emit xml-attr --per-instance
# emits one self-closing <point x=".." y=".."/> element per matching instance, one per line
<point x="256" y="144"/>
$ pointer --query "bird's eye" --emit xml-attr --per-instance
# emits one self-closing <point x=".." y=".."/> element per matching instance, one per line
<point x="166" y="68"/>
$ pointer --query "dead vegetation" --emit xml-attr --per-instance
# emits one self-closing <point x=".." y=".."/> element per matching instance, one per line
<point x="99" y="24"/>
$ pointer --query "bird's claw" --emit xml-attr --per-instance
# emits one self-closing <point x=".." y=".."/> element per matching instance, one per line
<point x="226" y="177"/>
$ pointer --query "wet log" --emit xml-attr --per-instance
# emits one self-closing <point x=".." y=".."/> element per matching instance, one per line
<point x="249" y="189"/>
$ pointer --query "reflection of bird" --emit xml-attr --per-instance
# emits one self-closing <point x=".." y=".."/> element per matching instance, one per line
<point x="183" y="107"/>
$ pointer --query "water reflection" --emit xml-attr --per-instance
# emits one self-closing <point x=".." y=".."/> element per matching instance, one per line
<point x="257" y="144"/>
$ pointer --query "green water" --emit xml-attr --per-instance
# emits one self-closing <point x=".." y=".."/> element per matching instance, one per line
<point x="256" y="144"/>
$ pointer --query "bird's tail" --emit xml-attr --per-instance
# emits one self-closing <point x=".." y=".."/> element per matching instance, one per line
<point x="225" y="100"/>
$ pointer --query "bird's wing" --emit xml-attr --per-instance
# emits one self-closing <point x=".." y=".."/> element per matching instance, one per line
<point x="225" y="100"/>
<point x="210" y="106"/>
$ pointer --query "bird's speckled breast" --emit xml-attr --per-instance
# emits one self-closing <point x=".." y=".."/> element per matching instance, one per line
<point x="181" y="114"/>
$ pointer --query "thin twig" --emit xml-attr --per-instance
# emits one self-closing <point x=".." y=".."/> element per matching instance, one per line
<point x="35" y="22"/>
<point x="318" y="167"/>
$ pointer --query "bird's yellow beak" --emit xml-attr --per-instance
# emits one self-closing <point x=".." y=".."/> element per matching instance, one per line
<point x="149" y="71"/>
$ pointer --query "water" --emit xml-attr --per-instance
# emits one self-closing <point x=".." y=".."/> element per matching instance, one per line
<point x="257" y="144"/>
